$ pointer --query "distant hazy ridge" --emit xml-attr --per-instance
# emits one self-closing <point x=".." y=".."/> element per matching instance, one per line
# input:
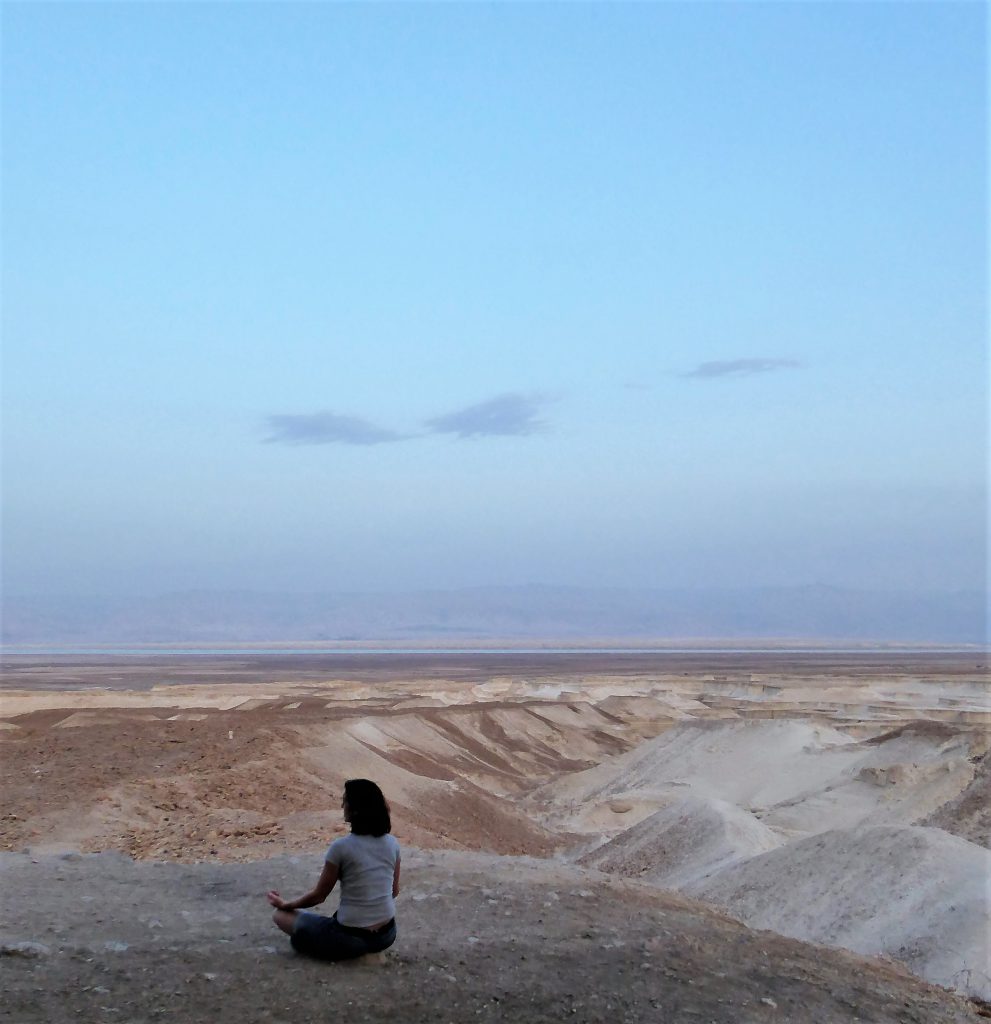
<point x="812" y="612"/>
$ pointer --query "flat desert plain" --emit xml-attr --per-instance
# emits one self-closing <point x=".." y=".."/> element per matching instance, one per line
<point x="718" y="837"/>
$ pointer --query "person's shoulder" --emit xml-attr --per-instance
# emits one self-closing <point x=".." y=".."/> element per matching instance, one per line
<point x="338" y="848"/>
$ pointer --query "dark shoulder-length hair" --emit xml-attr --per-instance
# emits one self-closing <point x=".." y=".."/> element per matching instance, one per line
<point x="368" y="809"/>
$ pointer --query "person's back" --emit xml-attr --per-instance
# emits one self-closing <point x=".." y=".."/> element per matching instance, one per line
<point x="367" y="866"/>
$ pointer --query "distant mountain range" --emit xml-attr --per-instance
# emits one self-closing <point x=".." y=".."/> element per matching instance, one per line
<point x="813" y="613"/>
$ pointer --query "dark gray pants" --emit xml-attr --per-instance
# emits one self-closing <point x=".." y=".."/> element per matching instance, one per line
<point x="326" y="939"/>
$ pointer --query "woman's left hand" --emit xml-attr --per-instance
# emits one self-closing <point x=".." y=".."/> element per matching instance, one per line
<point x="276" y="900"/>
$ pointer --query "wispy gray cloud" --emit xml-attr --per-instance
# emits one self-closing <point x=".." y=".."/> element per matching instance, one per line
<point x="327" y="428"/>
<point x="741" y="367"/>
<point x="509" y="415"/>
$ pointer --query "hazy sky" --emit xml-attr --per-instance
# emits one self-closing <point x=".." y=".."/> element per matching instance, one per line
<point x="360" y="297"/>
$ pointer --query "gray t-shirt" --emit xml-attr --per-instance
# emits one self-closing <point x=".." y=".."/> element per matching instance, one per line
<point x="366" y="865"/>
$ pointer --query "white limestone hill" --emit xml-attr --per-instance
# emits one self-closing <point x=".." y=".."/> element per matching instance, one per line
<point x="798" y="777"/>
<point x="968" y="815"/>
<point x="684" y="843"/>
<point x="916" y="894"/>
<point x="741" y="762"/>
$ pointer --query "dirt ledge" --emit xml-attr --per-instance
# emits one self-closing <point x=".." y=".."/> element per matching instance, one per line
<point x="104" y="938"/>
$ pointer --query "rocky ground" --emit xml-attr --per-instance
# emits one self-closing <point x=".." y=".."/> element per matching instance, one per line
<point x="102" y="938"/>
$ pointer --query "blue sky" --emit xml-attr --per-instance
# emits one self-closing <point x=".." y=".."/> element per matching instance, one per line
<point x="387" y="297"/>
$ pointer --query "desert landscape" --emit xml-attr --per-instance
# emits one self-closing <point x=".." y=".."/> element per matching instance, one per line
<point x="573" y="418"/>
<point x="717" y="836"/>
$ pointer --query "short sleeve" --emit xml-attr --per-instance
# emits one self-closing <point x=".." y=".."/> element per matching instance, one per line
<point x="335" y="852"/>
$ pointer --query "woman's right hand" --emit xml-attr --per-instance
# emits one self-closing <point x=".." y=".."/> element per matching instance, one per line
<point x="276" y="900"/>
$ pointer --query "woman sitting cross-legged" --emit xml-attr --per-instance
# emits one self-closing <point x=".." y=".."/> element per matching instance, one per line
<point x="366" y="863"/>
